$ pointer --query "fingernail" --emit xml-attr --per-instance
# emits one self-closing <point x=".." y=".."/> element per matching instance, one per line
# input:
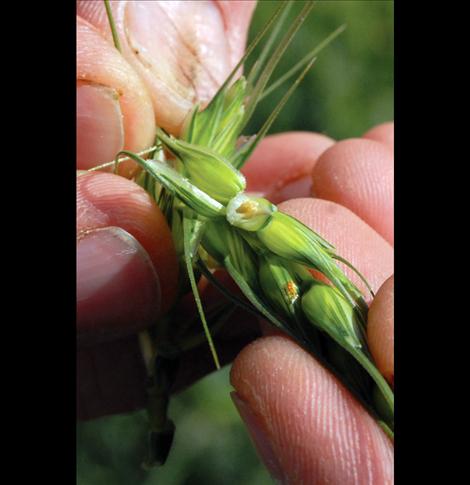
<point x="118" y="290"/>
<point x="259" y="437"/>
<point x="100" y="130"/>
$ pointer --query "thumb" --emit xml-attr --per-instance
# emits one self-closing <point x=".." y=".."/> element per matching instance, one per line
<point x="306" y="426"/>
<point x="114" y="110"/>
<point x="182" y="51"/>
<point x="126" y="262"/>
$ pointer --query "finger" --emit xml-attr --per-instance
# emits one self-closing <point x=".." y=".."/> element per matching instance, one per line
<point x="380" y="330"/>
<point x="306" y="426"/>
<point x="112" y="376"/>
<point x="237" y="16"/>
<point x="383" y="133"/>
<point x="281" y="166"/>
<point x="354" y="240"/>
<point x="242" y="329"/>
<point x="125" y="258"/>
<point x="183" y="61"/>
<point x="358" y="174"/>
<point x="114" y="110"/>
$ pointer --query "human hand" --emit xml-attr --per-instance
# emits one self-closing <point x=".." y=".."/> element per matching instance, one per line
<point x="126" y="263"/>
<point x="305" y="424"/>
<point x="131" y="292"/>
<point x="333" y="437"/>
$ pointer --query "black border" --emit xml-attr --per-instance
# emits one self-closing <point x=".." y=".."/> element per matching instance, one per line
<point x="39" y="340"/>
<point x="429" y="315"/>
<point x="39" y="241"/>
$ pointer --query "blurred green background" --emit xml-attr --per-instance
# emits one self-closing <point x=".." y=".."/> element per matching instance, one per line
<point x="349" y="90"/>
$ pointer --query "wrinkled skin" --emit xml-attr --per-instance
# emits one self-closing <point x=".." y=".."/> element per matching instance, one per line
<point x="174" y="55"/>
<point x="305" y="424"/>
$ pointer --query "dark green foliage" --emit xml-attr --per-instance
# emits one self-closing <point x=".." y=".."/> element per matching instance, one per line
<point x="350" y="87"/>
